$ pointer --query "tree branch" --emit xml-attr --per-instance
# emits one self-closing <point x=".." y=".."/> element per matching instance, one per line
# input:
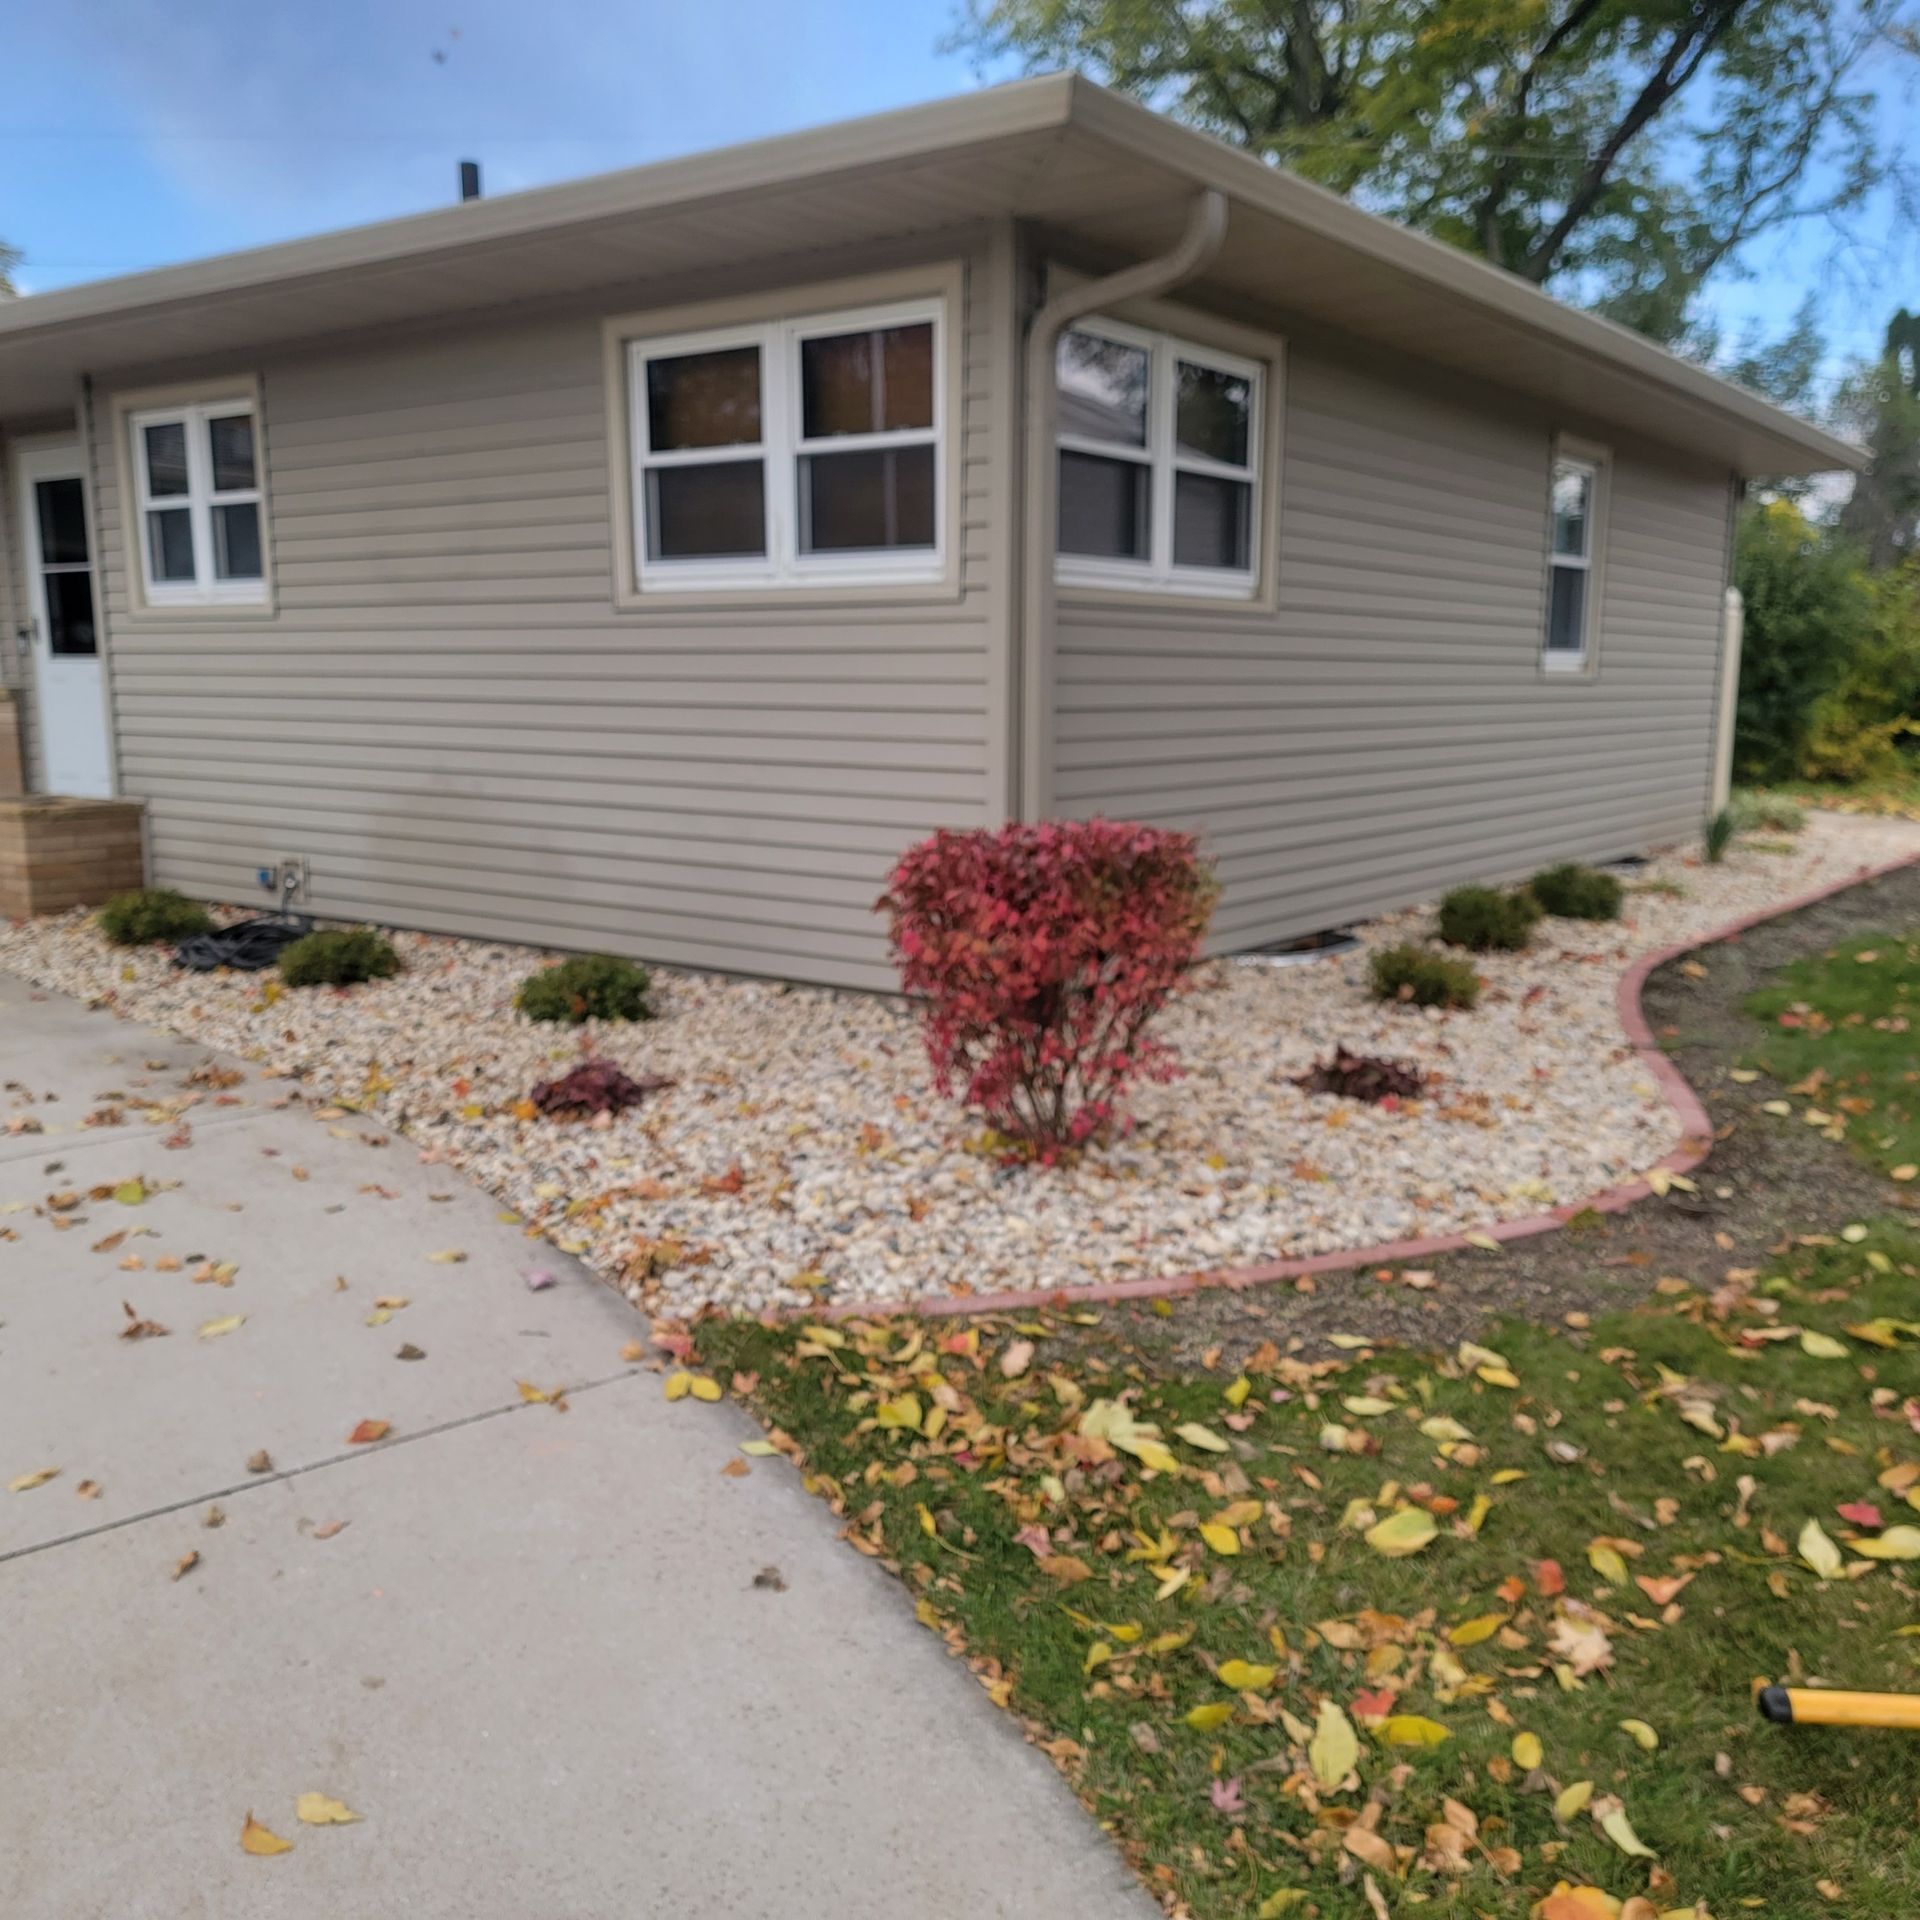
<point x="1678" y="65"/>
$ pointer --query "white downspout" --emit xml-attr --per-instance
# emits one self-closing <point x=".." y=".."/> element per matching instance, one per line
<point x="1731" y="635"/>
<point x="1206" y="228"/>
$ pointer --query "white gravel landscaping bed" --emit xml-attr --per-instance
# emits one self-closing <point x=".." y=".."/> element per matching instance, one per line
<point x="802" y="1155"/>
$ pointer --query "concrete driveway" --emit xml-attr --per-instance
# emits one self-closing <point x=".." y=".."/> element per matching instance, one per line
<point x="534" y="1650"/>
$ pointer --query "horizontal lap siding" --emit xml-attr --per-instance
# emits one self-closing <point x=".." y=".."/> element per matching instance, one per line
<point x="1387" y="731"/>
<point x="449" y="719"/>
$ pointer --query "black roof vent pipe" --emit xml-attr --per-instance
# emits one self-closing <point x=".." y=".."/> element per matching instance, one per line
<point x="469" y="179"/>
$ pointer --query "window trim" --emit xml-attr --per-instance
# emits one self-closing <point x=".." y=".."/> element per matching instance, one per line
<point x="917" y="575"/>
<point x="194" y="402"/>
<point x="1159" y="573"/>
<point x="1567" y="450"/>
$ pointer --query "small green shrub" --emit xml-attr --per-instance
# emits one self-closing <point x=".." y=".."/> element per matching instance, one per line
<point x="1419" y="977"/>
<point x="1487" y="920"/>
<point x="152" y="914"/>
<point x="1773" y="811"/>
<point x="1574" y="892"/>
<point x="338" y="957"/>
<point x="1720" y="829"/>
<point x="591" y="986"/>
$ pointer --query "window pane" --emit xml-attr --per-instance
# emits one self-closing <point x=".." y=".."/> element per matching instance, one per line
<point x="70" y="613"/>
<point x="170" y="544"/>
<point x="704" y="400"/>
<point x="166" y="458"/>
<point x="1572" y="508"/>
<point x="706" y="513"/>
<point x="236" y="542"/>
<point x="230" y="441"/>
<point x="1103" y="507"/>
<point x="879" y="382"/>
<point x="63" y="522"/>
<point x="1212" y="413"/>
<point x="1103" y="389"/>
<point x="855" y="502"/>
<point x="1567" y="611"/>
<point x="1212" y="522"/>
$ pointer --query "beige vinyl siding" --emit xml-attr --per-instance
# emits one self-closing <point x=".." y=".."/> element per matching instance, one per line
<point x="448" y="718"/>
<point x="1387" y="730"/>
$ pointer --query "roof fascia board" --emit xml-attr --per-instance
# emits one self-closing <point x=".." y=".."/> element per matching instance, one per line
<point x="877" y="140"/>
<point x="1210" y="162"/>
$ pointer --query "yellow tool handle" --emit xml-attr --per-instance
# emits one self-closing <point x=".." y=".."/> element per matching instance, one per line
<point x="1818" y="1707"/>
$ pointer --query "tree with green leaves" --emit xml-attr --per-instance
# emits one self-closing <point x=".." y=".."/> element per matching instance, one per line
<point x="1881" y="403"/>
<point x="1621" y="151"/>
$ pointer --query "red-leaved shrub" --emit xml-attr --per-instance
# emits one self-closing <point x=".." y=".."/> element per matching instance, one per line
<point x="1042" y="952"/>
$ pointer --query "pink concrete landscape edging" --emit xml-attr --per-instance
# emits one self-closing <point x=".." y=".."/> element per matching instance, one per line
<point x="1695" y="1143"/>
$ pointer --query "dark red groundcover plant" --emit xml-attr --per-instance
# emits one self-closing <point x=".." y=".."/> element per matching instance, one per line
<point x="1042" y="951"/>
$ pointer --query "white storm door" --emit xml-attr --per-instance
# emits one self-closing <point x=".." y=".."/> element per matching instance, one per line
<point x="74" y="749"/>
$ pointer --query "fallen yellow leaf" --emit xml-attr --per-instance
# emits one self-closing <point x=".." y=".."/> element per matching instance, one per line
<point x="1469" y="1633"/>
<point x="1818" y="1551"/>
<point x="254" y="1838"/>
<point x="1412" y="1730"/>
<point x="1528" y="1753"/>
<point x="229" y="1323"/>
<point x="1402" y="1533"/>
<point x="1897" y="1543"/>
<point x="1642" y="1735"/>
<point x="317" y="1810"/>
<point x="1613" y="1822"/>
<point x="1195" y="1435"/>
<point x="1208" y="1718"/>
<point x="1334" y="1749"/>
<point x="1572" y="1800"/>
<point x="1242" y="1675"/>
<point x="447" y="1257"/>
<point x="26" y="1482"/>
<point x="706" y="1388"/>
<point x="678" y="1385"/>
<point x="1222" y="1540"/>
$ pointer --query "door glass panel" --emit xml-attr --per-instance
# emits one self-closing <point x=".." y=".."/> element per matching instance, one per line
<point x="1211" y="412"/>
<point x="61" y="506"/>
<point x="1103" y="506"/>
<point x="704" y="400"/>
<point x="850" y="502"/>
<point x="1211" y="522"/>
<point x="166" y="446"/>
<point x="1567" y="611"/>
<point x="236" y="542"/>
<point x="878" y="382"/>
<point x="70" y="631"/>
<point x="706" y="512"/>
<point x="230" y="442"/>
<point x="1103" y="389"/>
<point x="170" y="543"/>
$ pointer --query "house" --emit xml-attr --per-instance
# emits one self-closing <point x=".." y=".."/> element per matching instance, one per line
<point x="640" y="563"/>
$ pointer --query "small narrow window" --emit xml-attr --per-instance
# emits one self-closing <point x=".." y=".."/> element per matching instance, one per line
<point x="199" y="504"/>
<point x="1574" y="510"/>
<point x="789" y="452"/>
<point x="1159" y="463"/>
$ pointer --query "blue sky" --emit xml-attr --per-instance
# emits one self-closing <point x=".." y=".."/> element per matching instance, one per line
<point x="137" y="134"/>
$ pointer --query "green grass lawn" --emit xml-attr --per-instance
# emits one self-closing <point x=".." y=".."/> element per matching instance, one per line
<point x="1384" y="1631"/>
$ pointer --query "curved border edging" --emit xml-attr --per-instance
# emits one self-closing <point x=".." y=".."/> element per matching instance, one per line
<point x="1696" y="1141"/>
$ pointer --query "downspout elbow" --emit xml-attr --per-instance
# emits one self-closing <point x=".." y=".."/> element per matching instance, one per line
<point x="1200" y="241"/>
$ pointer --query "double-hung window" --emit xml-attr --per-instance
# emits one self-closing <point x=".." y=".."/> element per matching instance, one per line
<point x="1160" y="457"/>
<point x="794" y="452"/>
<point x="1574" y="512"/>
<point x="198" y="501"/>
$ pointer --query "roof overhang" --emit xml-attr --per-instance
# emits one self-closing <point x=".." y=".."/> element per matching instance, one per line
<point x="1056" y="150"/>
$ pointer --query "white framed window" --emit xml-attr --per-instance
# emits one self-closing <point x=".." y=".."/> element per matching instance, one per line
<point x="791" y="452"/>
<point x="1576" y="507"/>
<point x="1160" y="462"/>
<point x="200" y="510"/>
